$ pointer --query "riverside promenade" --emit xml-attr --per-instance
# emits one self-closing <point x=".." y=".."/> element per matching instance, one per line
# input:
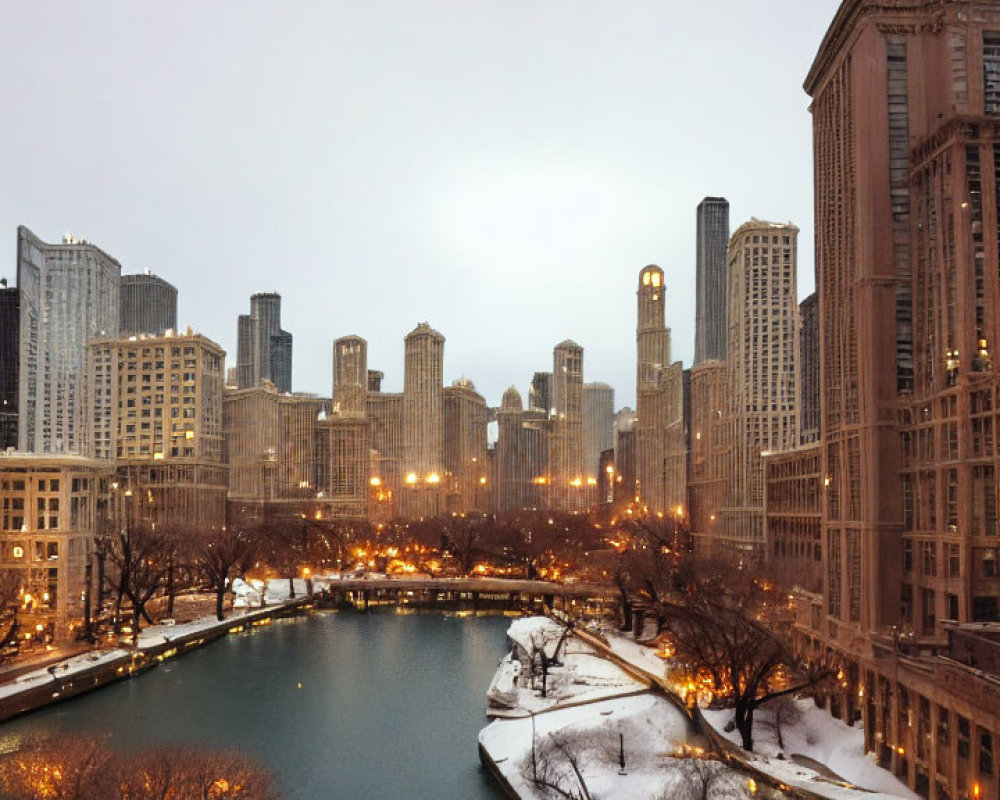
<point x="70" y="671"/>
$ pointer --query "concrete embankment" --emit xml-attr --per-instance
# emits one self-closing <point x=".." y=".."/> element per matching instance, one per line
<point x="92" y="670"/>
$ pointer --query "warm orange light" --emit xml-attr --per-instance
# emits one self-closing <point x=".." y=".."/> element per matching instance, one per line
<point x="433" y="478"/>
<point x="482" y="480"/>
<point x="375" y="482"/>
<point x="411" y="478"/>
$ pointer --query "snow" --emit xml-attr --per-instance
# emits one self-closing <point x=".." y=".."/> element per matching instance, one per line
<point x="591" y="700"/>
<point x="816" y="735"/>
<point x="650" y="727"/>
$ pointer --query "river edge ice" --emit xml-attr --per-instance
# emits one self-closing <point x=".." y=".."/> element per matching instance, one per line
<point x="598" y="714"/>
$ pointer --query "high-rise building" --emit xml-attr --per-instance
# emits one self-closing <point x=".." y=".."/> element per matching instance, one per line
<point x="69" y="293"/>
<point x="624" y="483"/>
<point x="708" y="479"/>
<point x="270" y="443"/>
<point x="423" y="439"/>
<point x="154" y="405"/>
<point x="385" y="415"/>
<point x="710" y="280"/>
<point x="906" y="105"/>
<point x="598" y="426"/>
<point x="660" y="440"/>
<point x="761" y="371"/>
<point x="350" y="432"/>
<point x="9" y="337"/>
<point x="567" y="486"/>
<point x="521" y="454"/>
<point x="263" y="349"/>
<point x="464" y="447"/>
<point x="148" y="305"/>
<point x="809" y="383"/>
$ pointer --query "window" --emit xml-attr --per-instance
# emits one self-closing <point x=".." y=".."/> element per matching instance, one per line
<point x="985" y="752"/>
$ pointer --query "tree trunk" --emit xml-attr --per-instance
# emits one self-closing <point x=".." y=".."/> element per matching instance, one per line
<point x="137" y="611"/>
<point x="291" y="586"/>
<point x="171" y="588"/>
<point x="744" y="724"/>
<point x="220" y="591"/>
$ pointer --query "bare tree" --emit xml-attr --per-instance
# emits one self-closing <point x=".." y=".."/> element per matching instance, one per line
<point x="727" y="624"/>
<point x="140" y="555"/>
<point x="80" y="768"/>
<point x="704" y="779"/>
<point x="555" y="768"/>
<point x="10" y="598"/>
<point x="227" y="553"/>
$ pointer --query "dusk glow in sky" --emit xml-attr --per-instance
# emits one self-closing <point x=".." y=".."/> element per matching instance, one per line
<point x="499" y="170"/>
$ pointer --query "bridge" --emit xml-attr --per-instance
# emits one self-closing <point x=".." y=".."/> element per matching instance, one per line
<point x="470" y="593"/>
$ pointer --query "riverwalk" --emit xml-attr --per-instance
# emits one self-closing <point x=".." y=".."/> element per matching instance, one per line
<point x="59" y="675"/>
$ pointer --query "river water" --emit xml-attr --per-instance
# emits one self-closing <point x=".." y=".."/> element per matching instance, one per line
<point x="338" y="705"/>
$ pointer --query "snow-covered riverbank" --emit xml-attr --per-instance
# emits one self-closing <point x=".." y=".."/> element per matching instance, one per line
<point x="597" y="711"/>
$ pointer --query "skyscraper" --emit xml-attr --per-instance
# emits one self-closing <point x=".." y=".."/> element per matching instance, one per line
<point x="566" y="482"/>
<point x="710" y="279"/>
<point x="423" y="442"/>
<point x="464" y="447"/>
<point x="760" y="370"/>
<point x="9" y="337"/>
<point x="660" y="443"/>
<point x="148" y="305"/>
<point x="809" y="369"/>
<point x="598" y="426"/>
<point x="350" y="435"/>
<point x="69" y="293"/>
<point x="263" y="349"/>
<point x="906" y="101"/>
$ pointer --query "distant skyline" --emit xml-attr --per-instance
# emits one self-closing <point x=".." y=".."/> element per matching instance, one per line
<point x="501" y="171"/>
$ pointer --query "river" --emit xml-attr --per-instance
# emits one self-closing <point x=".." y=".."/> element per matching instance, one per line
<point x="337" y="705"/>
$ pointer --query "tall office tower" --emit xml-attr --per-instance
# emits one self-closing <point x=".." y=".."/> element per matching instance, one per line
<point x="69" y="293"/>
<point x="760" y="371"/>
<point x="906" y="101"/>
<point x="624" y="483"/>
<point x="567" y="487"/>
<point x="350" y="433"/>
<point x="154" y="405"/>
<point x="263" y="349"/>
<point x="385" y="414"/>
<point x="512" y="478"/>
<point x="598" y="426"/>
<point x="660" y="442"/>
<point x="423" y="442"/>
<point x="540" y="393"/>
<point x="710" y="280"/>
<point x="269" y="443"/>
<point x="809" y="370"/>
<point x="10" y="304"/>
<point x="708" y="478"/>
<point x="148" y="304"/>
<point x="464" y="415"/>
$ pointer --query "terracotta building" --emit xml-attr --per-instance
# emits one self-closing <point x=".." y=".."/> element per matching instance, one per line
<point x="906" y="127"/>
<point x="464" y="445"/>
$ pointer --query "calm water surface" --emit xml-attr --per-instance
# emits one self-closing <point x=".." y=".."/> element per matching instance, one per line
<point x="389" y="705"/>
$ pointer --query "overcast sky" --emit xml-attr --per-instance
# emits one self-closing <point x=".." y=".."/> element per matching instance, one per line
<point x="501" y="170"/>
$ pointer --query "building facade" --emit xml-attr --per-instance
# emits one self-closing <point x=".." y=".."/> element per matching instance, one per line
<point x="660" y="441"/>
<point x="423" y="436"/>
<point x="148" y="305"/>
<point x="10" y="316"/>
<point x="566" y="485"/>
<point x="464" y="441"/>
<point x="263" y="349"/>
<point x="710" y="280"/>
<point x="598" y="426"/>
<point x="52" y="509"/>
<point x="761" y="372"/>
<point x="153" y="407"/>
<point x="708" y="480"/>
<point x="906" y="136"/>
<point x="349" y="457"/>
<point x="809" y="383"/>
<point x="69" y="293"/>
